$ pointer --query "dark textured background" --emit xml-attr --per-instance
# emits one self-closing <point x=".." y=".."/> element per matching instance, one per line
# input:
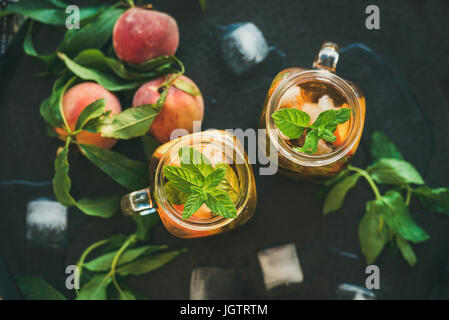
<point x="406" y="84"/>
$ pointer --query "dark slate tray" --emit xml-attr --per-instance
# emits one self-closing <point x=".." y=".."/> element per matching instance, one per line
<point x="406" y="83"/>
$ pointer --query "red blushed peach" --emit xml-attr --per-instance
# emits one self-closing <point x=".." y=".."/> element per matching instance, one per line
<point x="140" y="35"/>
<point x="73" y="103"/>
<point x="179" y="111"/>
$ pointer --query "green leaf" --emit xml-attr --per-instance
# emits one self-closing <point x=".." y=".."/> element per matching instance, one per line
<point x="291" y="121"/>
<point x="372" y="235"/>
<point x="406" y="250"/>
<point x="398" y="218"/>
<point x="325" y="118"/>
<point x="104" y="262"/>
<point x="37" y="289"/>
<point x="231" y="184"/>
<point x="51" y="107"/>
<point x="311" y="143"/>
<point x="61" y="180"/>
<point x="329" y="119"/>
<point x="192" y="204"/>
<point x="161" y="64"/>
<point x="92" y="111"/>
<point x="195" y="161"/>
<point x="147" y="264"/>
<point x="187" y="87"/>
<point x="336" y="178"/>
<point x="220" y="203"/>
<point x="94" y="35"/>
<point x="96" y="288"/>
<point x="337" y="194"/>
<point x="129" y="173"/>
<point x="327" y="135"/>
<point x="107" y="80"/>
<point x="28" y="47"/>
<point x="52" y="118"/>
<point x="94" y="125"/>
<point x="182" y="178"/>
<point x="394" y="171"/>
<point x="48" y="11"/>
<point x="95" y="59"/>
<point x="100" y="207"/>
<point x="214" y="178"/>
<point x="433" y="199"/>
<point x="144" y="225"/>
<point x="150" y="145"/>
<point x="174" y="195"/>
<point x="383" y="147"/>
<point x="131" y="123"/>
<point x="343" y="115"/>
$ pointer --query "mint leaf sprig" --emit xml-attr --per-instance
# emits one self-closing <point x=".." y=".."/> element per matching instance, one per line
<point x="197" y="183"/>
<point x="387" y="218"/>
<point x="293" y="122"/>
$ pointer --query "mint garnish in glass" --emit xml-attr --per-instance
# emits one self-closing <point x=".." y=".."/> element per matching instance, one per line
<point x="294" y="124"/>
<point x="197" y="182"/>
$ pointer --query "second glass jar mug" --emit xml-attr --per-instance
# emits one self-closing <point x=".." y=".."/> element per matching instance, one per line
<point x="311" y="85"/>
<point x="220" y="147"/>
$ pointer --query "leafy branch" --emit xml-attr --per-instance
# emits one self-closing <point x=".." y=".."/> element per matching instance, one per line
<point x="121" y="257"/>
<point x="388" y="217"/>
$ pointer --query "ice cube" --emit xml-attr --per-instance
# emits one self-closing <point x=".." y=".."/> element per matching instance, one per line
<point x="312" y="110"/>
<point x="243" y="46"/>
<point x="322" y="148"/>
<point x="351" y="292"/>
<point x="326" y="103"/>
<point x="291" y="98"/>
<point x="280" y="265"/>
<point x="215" y="284"/>
<point x="46" y="223"/>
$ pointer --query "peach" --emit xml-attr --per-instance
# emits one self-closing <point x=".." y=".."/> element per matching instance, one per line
<point x="202" y="213"/>
<point x="73" y="103"/>
<point x="140" y="35"/>
<point x="179" y="111"/>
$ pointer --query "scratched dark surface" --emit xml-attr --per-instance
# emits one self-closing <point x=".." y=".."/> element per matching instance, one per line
<point x="403" y="72"/>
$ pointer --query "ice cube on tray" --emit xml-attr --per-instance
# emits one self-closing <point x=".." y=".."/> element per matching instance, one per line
<point x="280" y="265"/>
<point x="243" y="46"/>
<point x="207" y="283"/>
<point x="46" y="223"/>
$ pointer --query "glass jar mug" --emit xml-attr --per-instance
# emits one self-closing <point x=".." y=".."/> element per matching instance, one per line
<point x="219" y="147"/>
<point x="314" y="91"/>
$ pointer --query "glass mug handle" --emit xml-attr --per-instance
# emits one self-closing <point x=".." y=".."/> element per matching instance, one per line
<point x="327" y="57"/>
<point x="138" y="203"/>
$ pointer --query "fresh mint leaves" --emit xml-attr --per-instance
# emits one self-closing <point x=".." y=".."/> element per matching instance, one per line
<point x="388" y="216"/>
<point x="433" y="199"/>
<point x="293" y="122"/>
<point x="196" y="182"/>
<point x="382" y="147"/>
<point x="372" y="235"/>
<point x="337" y="194"/>
<point x="394" y="171"/>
